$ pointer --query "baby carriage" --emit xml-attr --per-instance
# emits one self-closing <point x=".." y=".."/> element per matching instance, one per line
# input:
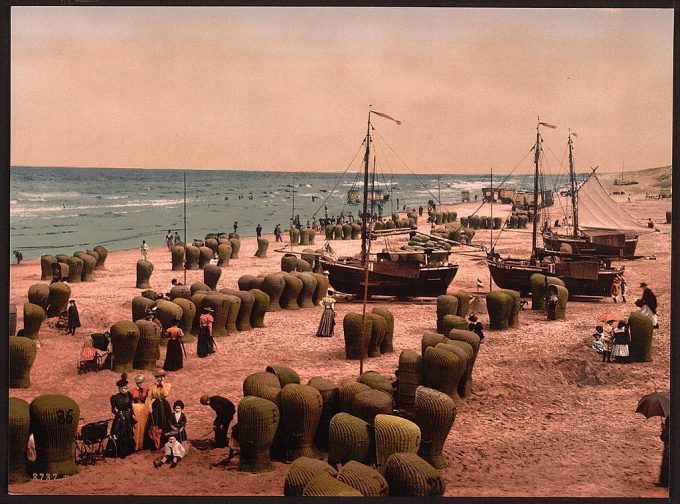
<point x="90" y="441"/>
<point x="97" y="356"/>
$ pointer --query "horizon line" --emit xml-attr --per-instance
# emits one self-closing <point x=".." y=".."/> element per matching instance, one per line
<point x="290" y="171"/>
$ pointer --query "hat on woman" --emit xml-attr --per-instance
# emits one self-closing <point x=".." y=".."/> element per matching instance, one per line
<point x="123" y="381"/>
<point x="643" y="284"/>
<point x="72" y="301"/>
<point x="178" y="403"/>
<point x="205" y="399"/>
<point x="159" y="372"/>
<point x="139" y="378"/>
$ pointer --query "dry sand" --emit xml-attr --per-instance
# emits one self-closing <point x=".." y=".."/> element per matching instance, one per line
<point x="546" y="417"/>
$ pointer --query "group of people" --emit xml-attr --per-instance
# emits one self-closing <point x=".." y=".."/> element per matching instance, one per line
<point x="143" y="419"/>
<point x="612" y="341"/>
<point x="172" y="240"/>
<point x="175" y="353"/>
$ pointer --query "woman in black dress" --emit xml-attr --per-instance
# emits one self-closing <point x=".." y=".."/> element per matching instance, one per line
<point x="205" y="344"/>
<point x="174" y="359"/>
<point x="121" y="439"/>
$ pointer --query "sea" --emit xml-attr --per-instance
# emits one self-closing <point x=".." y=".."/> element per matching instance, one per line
<point x="62" y="210"/>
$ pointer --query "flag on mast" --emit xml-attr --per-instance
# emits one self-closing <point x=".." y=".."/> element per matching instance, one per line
<point x="547" y="125"/>
<point x="386" y="116"/>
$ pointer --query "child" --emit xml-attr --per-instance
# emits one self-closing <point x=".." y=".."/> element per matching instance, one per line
<point x="178" y="421"/>
<point x="597" y="339"/>
<point x="607" y="343"/>
<point x="174" y="452"/>
<point x="476" y="326"/>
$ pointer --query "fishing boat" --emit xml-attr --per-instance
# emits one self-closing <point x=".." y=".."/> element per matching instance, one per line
<point x="599" y="227"/>
<point x="582" y="275"/>
<point x="374" y="195"/>
<point x="621" y="181"/>
<point x="425" y="274"/>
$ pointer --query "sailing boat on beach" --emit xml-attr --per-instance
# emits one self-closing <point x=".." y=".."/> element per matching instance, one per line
<point x="379" y="274"/>
<point x="599" y="226"/>
<point x="584" y="276"/>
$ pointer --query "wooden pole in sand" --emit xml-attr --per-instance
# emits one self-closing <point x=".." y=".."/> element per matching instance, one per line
<point x="492" y="198"/>
<point x="365" y="242"/>
<point x="185" y="225"/>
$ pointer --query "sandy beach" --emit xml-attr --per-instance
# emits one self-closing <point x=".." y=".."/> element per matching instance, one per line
<point x="546" y="417"/>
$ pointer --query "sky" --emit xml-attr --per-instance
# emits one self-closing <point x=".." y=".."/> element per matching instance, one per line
<point x="283" y="88"/>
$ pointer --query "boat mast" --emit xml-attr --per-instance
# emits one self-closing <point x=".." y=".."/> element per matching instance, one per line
<point x="292" y="211"/>
<point x="364" y="223"/>
<point x="185" y="225"/>
<point x="491" y="239"/>
<point x="537" y="151"/>
<point x="574" y="208"/>
<point x="373" y="188"/>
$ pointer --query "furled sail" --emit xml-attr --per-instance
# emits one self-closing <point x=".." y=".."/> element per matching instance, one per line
<point x="597" y="211"/>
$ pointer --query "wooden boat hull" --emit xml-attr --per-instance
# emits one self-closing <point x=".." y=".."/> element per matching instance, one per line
<point x="584" y="246"/>
<point x="515" y="275"/>
<point x="349" y="279"/>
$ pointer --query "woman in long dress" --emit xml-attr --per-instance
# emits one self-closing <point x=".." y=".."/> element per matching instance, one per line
<point x="327" y="322"/>
<point x="160" y="412"/>
<point x="621" y="340"/>
<point x="121" y="439"/>
<point x="140" y="410"/>
<point x="174" y="359"/>
<point x="205" y="344"/>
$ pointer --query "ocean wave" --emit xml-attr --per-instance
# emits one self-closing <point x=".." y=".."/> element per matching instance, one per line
<point x="19" y="211"/>
<point x="44" y="196"/>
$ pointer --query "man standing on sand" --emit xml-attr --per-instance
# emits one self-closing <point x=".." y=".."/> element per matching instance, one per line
<point x="648" y="304"/>
<point x="225" y="411"/>
<point x="258" y="231"/>
<point x="277" y="232"/>
<point x="235" y="226"/>
<point x="177" y="238"/>
<point x="144" y="249"/>
<point x="168" y="239"/>
<point x="73" y="317"/>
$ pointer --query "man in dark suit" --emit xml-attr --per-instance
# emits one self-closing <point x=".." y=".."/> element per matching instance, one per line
<point x="225" y="411"/>
<point x="648" y="300"/>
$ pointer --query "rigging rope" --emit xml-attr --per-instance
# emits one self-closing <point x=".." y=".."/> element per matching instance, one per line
<point x="339" y="179"/>
<point x="407" y="167"/>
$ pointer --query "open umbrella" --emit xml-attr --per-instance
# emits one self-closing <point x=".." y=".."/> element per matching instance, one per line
<point x="655" y="404"/>
<point x="606" y="317"/>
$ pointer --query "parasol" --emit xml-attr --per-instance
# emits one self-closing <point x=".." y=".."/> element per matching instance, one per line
<point x="655" y="404"/>
<point x="606" y="317"/>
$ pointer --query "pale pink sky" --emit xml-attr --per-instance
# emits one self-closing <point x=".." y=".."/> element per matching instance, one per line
<point x="289" y="88"/>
